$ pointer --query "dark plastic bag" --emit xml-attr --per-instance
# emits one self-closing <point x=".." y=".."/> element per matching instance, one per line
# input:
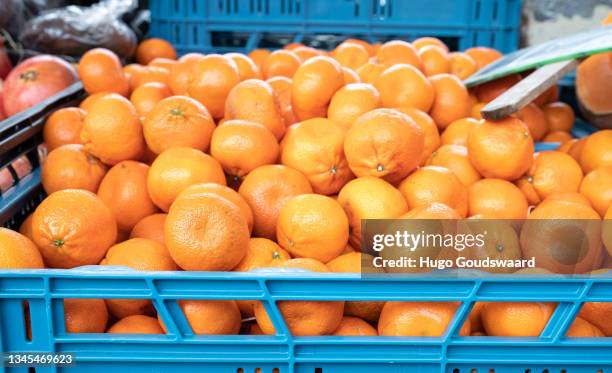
<point x="15" y="13"/>
<point x="73" y="30"/>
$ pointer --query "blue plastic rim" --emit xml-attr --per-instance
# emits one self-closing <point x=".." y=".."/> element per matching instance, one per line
<point x="180" y="350"/>
<point x="200" y="26"/>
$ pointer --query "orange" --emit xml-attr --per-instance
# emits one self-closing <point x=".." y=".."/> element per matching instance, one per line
<point x="396" y="52"/>
<point x="425" y="41"/>
<point x="575" y="150"/>
<point x="489" y="91"/>
<point x="354" y="326"/>
<point x="458" y="131"/>
<point x="305" y="53"/>
<point x="140" y="254"/>
<point x="568" y="197"/>
<point x="500" y="241"/>
<point x="451" y="100"/>
<point x="178" y="121"/>
<point x="563" y="237"/>
<point x="314" y="84"/>
<point x="475" y="317"/>
<point x="384" y="143"/>
<point x="165" y="63"/>
<point x="180" y="73"/>
<point x="566" y="145"/>
<point x="178" y="168"/>
<point x="456" y="159"/>
<point x="462" y="65"/>
<point x="85" y="315"/>
<point x="71" y="167"/>
<point x="280" y="63"/>
<point x="148" y="95"/>
<point x="352" y="263"/>
<point x="241" y="146"/>
<point x="293" y="45"/>
<point x="369" y="72"/>
<point x="112" y="131"/>
<point x="18" y="251"/>
<point x="206" y="232"/>
<point x="368" y="47"/>
<point x="418" y="319"/>
<point x="254" y="100"/>
<point x="64" y="223"/>
<point x="597" y="187"/>
<point x="26" y="227"/>
<point x="597" y="151"/>
<point x="88" y="102"/>
<point x="435" y="184"/>
<point x="224" y="192"/>
<point x="593" y="82"/>
<point x="483" y="55"/>
<point x="63" y="127"/>
<point x="211" y="316"/>
<point x="583" y="329"/>
<point x="558" y="136"/>
<point x="261" y="253"/>
<point x="150" y="74"/>
<point x="598" y="314"/>
<point x="150" y="227"/>
<point x="535" y="120"/>
<point x="212" y="79"/>
<point x="100" y="71"/>
<point x="559" y="115"/>
<point x="246" y="67"/>
<point x="370" y="198"/>
<point x="606" y="231"/>
<point x="282" y="86"/>
<point x="516" y="319"/>
<point x="496" y="198"/>
<point x="259" y="56"/>
<point x="502" y="149"/>
<point x="476" y="109"/>
<point x="548" y="96"/>
<point x="432" y="137"/>
<point x="315" y="148"/>
<point x="136" y="324"/>
<point x="152" y="48"/>
<point x="303" y="317"/>
<point x="350" y="76"/>
<point x="405" y="86"/>
<point x="124" y="191"/>
<point x="350" y="55"/>
<point x="434" y="60"/>
<point x="266" y="190"/>
<point x="131" y="69"/>
<point x="312" y="226"/>
<point x="551" y="172"/>
<point x="352" y="100"/>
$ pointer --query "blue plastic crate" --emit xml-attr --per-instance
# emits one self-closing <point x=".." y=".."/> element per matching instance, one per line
<point x="242" y="25"/>
<point x="182" y="351"/>
<point x="21" y="135"/>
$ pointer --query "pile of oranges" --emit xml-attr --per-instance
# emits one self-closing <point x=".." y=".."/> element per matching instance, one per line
<point x="272" y="159"/>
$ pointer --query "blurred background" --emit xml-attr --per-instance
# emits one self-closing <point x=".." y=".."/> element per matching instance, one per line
<point x="71" y="27"/>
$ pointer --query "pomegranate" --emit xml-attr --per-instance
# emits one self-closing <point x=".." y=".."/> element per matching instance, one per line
<point x="5" y="62"/>
<point x="34" y="80"/>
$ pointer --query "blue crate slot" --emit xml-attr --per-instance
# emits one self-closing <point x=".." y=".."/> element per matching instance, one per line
<point x="241" y="25"/>
<point x="180" y="350"/>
